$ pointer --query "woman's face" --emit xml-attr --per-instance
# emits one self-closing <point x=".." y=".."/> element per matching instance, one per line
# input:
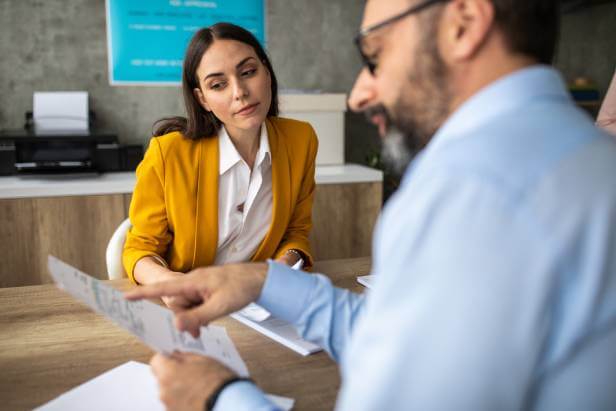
<point x="235" y="85"/>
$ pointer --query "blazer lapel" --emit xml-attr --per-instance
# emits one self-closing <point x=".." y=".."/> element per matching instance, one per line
<point x="206" y="230"/>
<point x="281" y="189"/>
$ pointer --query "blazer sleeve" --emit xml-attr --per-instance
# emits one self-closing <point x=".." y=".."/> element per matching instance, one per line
<point x="296" y="234"/>
<point x="149" y="234"/>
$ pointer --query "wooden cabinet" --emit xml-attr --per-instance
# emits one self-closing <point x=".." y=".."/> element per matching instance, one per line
<point x="343" y="217"/>
<point x="76" y="229"/>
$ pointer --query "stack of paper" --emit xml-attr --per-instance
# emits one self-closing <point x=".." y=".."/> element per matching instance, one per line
<point x="276" y="329"/>
<point x="261" y="320"/>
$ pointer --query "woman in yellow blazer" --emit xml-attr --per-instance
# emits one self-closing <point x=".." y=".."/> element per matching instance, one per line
<point x="230" y="93"/>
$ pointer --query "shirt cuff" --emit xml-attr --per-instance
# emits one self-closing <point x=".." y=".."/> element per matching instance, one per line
<point x="286" y="291"/>
<point x="242" y="396"/>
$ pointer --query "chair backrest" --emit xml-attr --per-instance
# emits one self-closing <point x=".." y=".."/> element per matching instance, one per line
<point x="115" y="247"/>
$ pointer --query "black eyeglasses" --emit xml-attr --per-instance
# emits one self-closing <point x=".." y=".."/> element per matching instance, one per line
<point x="368" y="60"/>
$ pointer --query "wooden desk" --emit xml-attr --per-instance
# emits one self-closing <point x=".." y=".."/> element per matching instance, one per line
<point x="50" y="343"/>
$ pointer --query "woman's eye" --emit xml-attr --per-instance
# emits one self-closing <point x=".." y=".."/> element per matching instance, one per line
<point x="217" y="86"/>
<point x="249" y="73"/>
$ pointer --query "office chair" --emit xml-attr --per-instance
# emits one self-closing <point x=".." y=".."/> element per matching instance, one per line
<point x="113" y="256"/>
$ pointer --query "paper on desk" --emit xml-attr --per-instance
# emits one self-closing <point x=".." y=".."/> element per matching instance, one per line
<point x="261" y="320"/>
<point x="149" y="322"/>
<point x="366" y="280"/>
<point x="130" y="386"/>
<point x="280" y="331"/>
<point x="255" y="312"/>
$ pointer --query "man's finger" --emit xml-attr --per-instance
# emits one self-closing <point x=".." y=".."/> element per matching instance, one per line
<point x="162" y="289"/>
<point x="192" y="319"/>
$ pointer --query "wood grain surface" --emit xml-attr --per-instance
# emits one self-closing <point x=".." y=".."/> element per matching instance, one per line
<point x="50" y="343"/>
<point x="77" y="229"/>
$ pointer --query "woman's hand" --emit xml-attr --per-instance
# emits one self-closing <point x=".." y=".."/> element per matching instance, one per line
<point x="150" y="270"/>
<point x="179" y="302"/>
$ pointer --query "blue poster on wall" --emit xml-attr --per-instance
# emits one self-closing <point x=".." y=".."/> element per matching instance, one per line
<point x="147" y="39"/>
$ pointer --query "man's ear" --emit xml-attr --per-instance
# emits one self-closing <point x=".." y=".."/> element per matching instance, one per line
<point x="201" y="98"/>
<point x="466" y="24"/>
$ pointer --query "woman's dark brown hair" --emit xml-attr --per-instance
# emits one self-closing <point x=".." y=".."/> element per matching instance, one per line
<point x="198" y="122"/>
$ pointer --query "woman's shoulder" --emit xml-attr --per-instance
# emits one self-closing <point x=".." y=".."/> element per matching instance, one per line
<point x="286" y="124"/>
<point x="174" y="143"/>
<point x="296" y="129"/>
<point x="171" y="140"/>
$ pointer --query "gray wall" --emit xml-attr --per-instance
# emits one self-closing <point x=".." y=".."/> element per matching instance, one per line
<point x="61" y="45"/>
<point x="52" y="45"/>
<point x="587" y="45"/>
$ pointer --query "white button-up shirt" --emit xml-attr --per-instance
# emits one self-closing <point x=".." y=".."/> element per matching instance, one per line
<point x="244" y="200"/>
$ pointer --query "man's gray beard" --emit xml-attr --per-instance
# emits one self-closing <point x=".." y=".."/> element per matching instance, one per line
<point x="395" y="152"/>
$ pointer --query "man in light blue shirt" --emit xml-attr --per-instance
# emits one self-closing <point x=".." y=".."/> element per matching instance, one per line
<point x="495" y="261"/>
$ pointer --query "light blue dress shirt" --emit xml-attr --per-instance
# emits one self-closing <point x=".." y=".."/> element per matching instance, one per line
<point x="495" y="265"/>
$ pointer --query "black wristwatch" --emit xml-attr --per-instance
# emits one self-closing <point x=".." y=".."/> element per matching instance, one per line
<point x="211" y="401"/>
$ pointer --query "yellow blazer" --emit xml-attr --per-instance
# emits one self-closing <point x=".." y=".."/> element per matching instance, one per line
<point x="174" y="208"/>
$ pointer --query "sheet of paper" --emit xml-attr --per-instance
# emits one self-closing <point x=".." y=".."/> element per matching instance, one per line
<point x="255" y="312"/>
<point x="366" y="280"/>
<point x="298" y="265"/>
<point x="149" y="322"/>
<point x="284" y="403"/>
<point x="281" y="332"/>
<point x="60" y="111"/>
<point x="261" y="320"/>
<point x="128" y="387"/>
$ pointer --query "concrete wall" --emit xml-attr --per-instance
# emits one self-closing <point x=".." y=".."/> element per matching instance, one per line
<point x="61" y="45"/>
<point x="52" y="45"/>
<point x="587" y="45"/>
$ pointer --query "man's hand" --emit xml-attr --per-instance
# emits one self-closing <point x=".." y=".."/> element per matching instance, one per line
<point x="213" y="292"/>
<point x="178" y="302"/>
<point x="186" y="381"/>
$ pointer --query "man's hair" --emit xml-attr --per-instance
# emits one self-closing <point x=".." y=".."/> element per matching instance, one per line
<point x="530" y="27"/>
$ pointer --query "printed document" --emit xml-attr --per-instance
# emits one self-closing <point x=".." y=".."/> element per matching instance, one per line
<point x="149" y="322"/>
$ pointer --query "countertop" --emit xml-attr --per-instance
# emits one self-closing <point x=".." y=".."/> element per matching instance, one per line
<point x="124" y="182"/>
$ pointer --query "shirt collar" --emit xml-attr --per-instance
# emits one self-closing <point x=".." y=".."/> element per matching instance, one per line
<point x="229" y="156"/>
<point x="264" y="148"/>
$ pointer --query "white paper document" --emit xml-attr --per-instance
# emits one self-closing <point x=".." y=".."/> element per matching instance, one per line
<point x="281" y="332"/>
<point x="261" y="320"/>
<point x="255" y="312"/>
<point x="149" y="322"/>
<point x="128" y="387"/>
<point x="366" y="280"/>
